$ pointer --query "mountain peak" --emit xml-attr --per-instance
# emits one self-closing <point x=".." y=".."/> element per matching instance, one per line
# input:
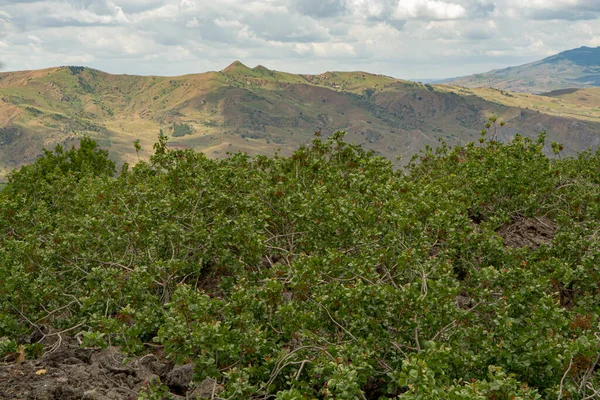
<point x="235" y="66"/>
<point x="261" y="68"/>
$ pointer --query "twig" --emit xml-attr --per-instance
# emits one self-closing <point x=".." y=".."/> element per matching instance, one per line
<point x="55" y="346"/>
<point x="423" y="283"/>
<point x="589" y="373"/>
<point x="450" y="325"/>
<point x="212" y="396"/>
<point x="593" y="395"/>
<point x="279" y="366"/>
<point x="443" y="330"/>
<point x="26" y="319"/>
<point x="300" y="369"/>
<point x="389" y="275"/>
<point x="53" y="311"/>
<point x="399" y="346"/>
<point x="109" y="263"/>
<point x="417" y="335"/>
<point x="334" y="321"/>
<point x="63" y="331"/>
<point x="138" y="361"/>
<point x="562" y="380"/>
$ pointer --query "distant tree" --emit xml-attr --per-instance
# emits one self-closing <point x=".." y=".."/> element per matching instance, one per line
<point x="182" y="130"/>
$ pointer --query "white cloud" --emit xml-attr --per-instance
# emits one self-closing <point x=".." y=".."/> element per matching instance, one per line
<point x="428" y="9"/>
<point x="326" y="50"/>
<point x="225" y="23"/>
<point x="34" y="38"/>
<point x="192" y="23"/>
<point x="403" y="38"/>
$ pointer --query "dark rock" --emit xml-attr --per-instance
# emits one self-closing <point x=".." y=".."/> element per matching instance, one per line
<point x="179" y="378"/>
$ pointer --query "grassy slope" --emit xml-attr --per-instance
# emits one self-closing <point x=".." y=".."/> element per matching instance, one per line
<point x="259" y="111"/>
<point x="583" y="104"/>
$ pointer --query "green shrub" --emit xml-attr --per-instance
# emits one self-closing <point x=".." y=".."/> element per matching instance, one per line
<point x="326" y="274"/>
<point x="182" y="130"/>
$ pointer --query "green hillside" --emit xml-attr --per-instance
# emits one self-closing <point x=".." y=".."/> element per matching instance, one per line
<point x="576" y="68"/>
<point x="255" y="110"/>
<point x="329" y="274"/>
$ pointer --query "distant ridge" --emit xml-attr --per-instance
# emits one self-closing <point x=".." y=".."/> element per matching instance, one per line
<point x="262" y="111"/>
<point x="583" y="56"/>
<point x="576" y="68"/>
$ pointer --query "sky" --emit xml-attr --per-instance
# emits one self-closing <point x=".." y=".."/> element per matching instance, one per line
<point x="410" y="39"/>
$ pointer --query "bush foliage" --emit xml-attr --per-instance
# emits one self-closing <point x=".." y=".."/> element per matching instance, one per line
<point x="323" y="275"/>
<point x="182" y="130"/>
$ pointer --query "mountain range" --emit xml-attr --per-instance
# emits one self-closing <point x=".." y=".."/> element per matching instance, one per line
<point x="260" y="111"/>
<point x="576" y="68"/>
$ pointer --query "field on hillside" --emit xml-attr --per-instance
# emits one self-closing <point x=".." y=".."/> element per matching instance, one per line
<point x="581" y="104"/>
<point x="328" y="274"/>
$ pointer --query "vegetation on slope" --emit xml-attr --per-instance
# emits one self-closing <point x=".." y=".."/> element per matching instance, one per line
<point x="259" y="111"/>
<point x="326" y="274"/>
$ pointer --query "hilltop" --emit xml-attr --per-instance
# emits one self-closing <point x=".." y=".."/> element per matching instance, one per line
<point x="259" y="111"/>
<point x="576" y="68"/>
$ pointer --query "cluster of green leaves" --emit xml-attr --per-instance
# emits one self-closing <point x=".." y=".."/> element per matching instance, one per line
<point x="326" y="274"/>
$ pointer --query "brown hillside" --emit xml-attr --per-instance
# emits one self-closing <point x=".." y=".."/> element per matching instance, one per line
<point x="258" y="110"/>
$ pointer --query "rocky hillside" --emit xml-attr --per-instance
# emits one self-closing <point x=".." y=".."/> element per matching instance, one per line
<point x="255" y="110"/>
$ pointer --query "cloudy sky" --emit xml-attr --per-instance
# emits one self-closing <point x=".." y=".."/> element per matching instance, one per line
<point x="402" y="38"/>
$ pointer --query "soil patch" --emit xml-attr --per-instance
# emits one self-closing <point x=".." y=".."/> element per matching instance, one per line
<point x="75" y="373"/>
<point x="528" y="232"/>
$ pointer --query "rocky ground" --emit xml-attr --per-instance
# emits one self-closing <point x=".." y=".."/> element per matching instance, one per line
<point x="71" y="372"/>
